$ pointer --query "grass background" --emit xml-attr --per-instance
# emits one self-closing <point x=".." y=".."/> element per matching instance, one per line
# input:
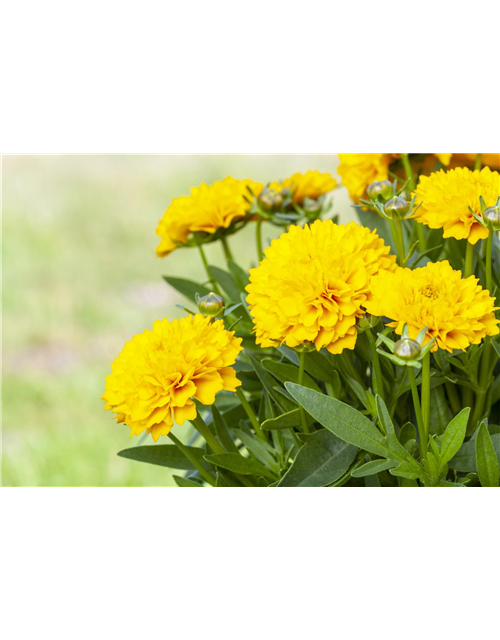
<point x="80" y="277"/>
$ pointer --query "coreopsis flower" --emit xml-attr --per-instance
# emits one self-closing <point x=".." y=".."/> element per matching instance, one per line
<point x="312" y="284"/>
<point x="207" y="209"/>
<point x="311" y="184"/>
<point x="159" y="373"/>
<point x="358" y="170"/>
<point x="456" y="311"/>
<point x="445" y="199"/>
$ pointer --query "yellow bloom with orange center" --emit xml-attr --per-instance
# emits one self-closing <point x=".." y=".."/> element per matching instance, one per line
<point x="457" y="311"/>
<point x="207" y="209"/>
<point x="445" y="199"/>
<point x="159" y="373"/>
<point x="311" y="184"/>
<point x="312" y="284"/>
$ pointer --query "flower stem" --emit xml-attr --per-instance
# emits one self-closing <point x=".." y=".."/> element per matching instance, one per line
<point x="303" y="420"/>
<point x="484" y="383"/>
<point x="489" y="276"/>
<point x="227" y="251"/>
<point x="208" y="477"/>
<point x="377" y="380"/>
<point x="418" y="413"/>
<point x="401" y="250"/>
<point x="409" y="171"/>
<point x="477" y="164"/>
<point x="397" y="241"/>
<point x="250" y="413"/>
<point x="205" y="432"/>
<point x="205" y="264"/>
<point x="469" y="260"/>
<point x="258" y="238"/>
<point x="426" y="395"/>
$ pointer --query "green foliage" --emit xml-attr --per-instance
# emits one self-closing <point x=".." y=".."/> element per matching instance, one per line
<point x="488" y="467"/>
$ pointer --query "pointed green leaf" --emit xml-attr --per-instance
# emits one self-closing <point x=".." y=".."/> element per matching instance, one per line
<point x="488" y="467"/>
<point x="238" y="464"/>
<point x="188" y="288"/>
<point x="465" y="460"/>
<point x="226" y="282"/>
<point x="454" y="436"/>
<point x="185" y="482"/>
<point x="322" y="460"/>
<point x="373" y="467"/>
<point x="287" y="373"/>
<point x="164" y="455"/>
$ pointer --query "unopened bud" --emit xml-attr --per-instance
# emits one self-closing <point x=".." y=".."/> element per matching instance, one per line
<point x="211" y="304"/>
<point x="382" y="188"/>
<point x="407" y="349"/>
<point x="492" y="217"/>
<point x="396" y="208"/>
<point x="270" y="200"/>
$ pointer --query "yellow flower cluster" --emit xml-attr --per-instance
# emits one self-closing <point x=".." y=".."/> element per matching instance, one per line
<point x="457" y="311"/>
<point x="311" y="184"/>
<point x="446" y="196"/>
<point x="312" y="284"/>
<point x="159" y="372"/>
<point x="207" y="209"/>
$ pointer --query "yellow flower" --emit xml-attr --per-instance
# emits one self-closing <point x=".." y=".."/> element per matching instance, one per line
<point x="457" y="311"/>
<point x="311" y="184"/>
<point x="447" y="196"/>
<point x="358" y="170"/>
<point x="312" y="283"/>
<point x="207" y="209"/>
<point x="444" y="158"/>
<point x="159" y="372"/>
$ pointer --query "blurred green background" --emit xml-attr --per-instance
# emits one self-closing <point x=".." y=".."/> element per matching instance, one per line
<point x="80" y="277"/>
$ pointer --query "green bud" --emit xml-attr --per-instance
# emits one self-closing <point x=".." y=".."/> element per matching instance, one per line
<point x="407" y="349"/>
<point x="270" y="200"/>
<point x="211" y="304"/>
<point x="492" y="217"/>
<point x="396" y="208"/>
<point x="312" y="206"/>
<point x="382" y="188"/>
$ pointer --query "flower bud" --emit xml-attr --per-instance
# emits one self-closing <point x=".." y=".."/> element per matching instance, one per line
<point x="407" y="349"/>
<point x="492" y="217"/>
<point x="396" y="208"/>
<point x="270" y="200"/>
<point x="312" y="206"/>
<point x="382" y="188"/>
<point x="211" y="304"/>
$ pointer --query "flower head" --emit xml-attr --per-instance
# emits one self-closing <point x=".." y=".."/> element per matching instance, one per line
<point x="207" y="209"/>
<point x="457" y="311"/>
<point x="311" y="184"/>
<point x="312" y="283"/>
<point x="447" y="196"/>
<point x="159" y="372"/>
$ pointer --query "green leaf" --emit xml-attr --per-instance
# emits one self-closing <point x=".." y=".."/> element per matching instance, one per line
<point x="185" y="482"/>
<point x="287" y="373"/>
<point x="405" y="470"/>
<point x="344" y="421"/>
<point x="322" y="460"/>
<point x="237" y="464"/>
<point x="488" y="467"/>
<point x="440" y="412"/>
<point x="386" y="421"/>
<point x="259" y="449"/>
<point x="241" y="276"/>
<point x="454" y="436"/>
<point x="222" y="431"/>
<point x="268" y="382"/>
<point x="164" y="455"/>
<point x="465" y="460"/>
<point x="373" y="467"/>
<point x="284" y="421"/>
<point x="226" y="282"/>
<point x="188" y="288"/>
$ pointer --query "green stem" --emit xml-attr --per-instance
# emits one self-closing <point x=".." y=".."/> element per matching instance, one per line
<point x="421" y="236"/>
<point x="305" y="426"/>
<point x="426" y="395"/>
<point x="409" y="171"/>
<point x="489" y="276"/>
<point x="453" y="397"/>
<point x="418" y="413"/>
<point x="208" y="477"/>
<point x="477" y="165"/>
<point x="227" y="251"/>
<point x="250" y="413"/>
<point x="205" y="432"/>
<point x="397" y="241"/>
<point x="377" y="380"/>
<point x="205" y="264"/>
<point x="258" y="239"/>
<point x="484" y="383"/>
<point x="469" y="260"/>
<point x="399" y="231"/>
